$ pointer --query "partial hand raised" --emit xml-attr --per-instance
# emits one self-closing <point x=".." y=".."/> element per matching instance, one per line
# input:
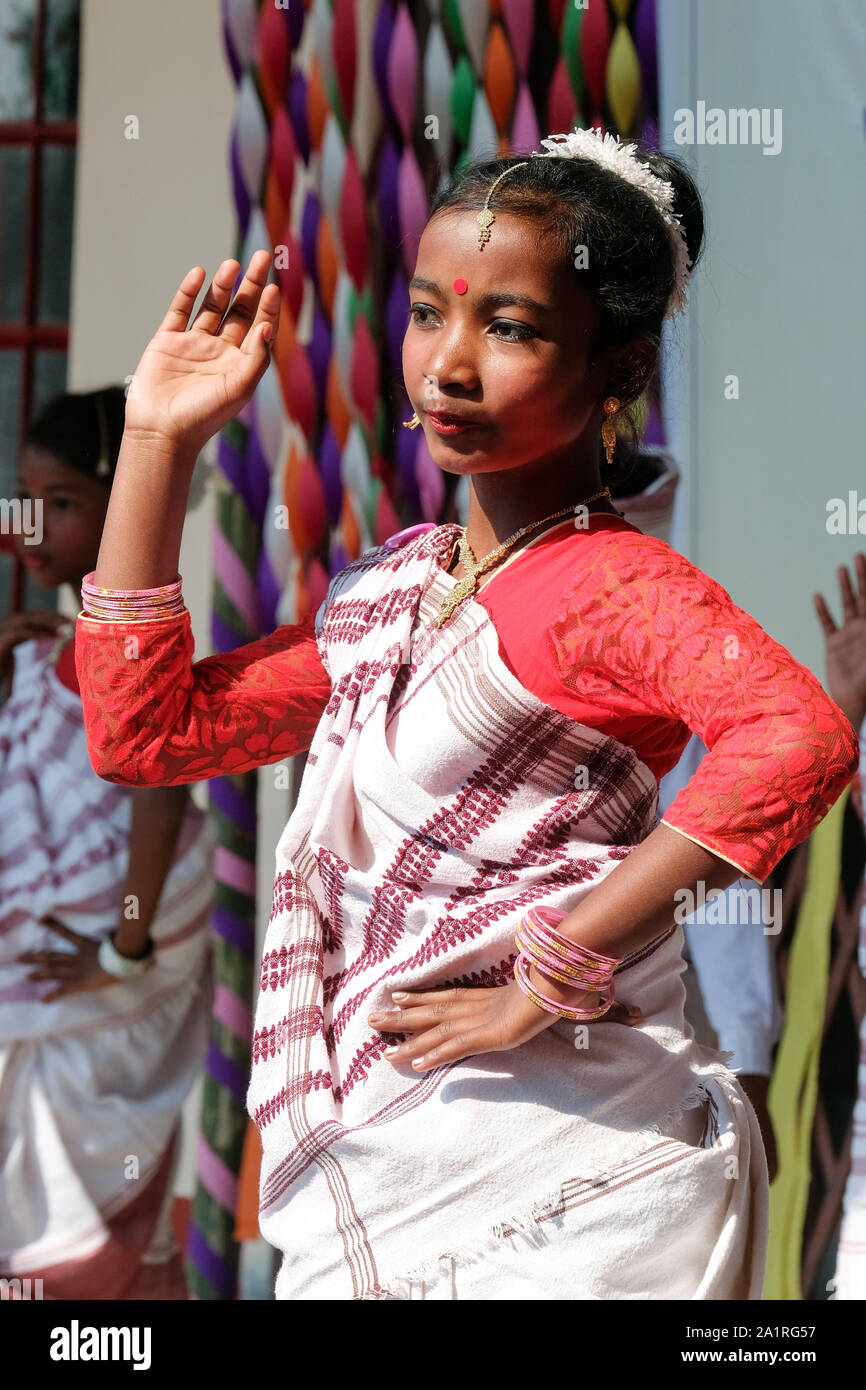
<point x="193" y="379"/>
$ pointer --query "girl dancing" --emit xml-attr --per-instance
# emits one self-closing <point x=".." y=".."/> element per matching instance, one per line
<point x="473" y="894"/>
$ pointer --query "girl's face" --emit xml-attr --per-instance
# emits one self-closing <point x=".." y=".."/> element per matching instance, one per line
<point x="512" y="353"/>
<point x="73" y="513"/>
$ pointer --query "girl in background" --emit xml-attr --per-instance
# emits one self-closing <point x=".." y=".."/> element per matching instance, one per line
<point x="105" y="897"/>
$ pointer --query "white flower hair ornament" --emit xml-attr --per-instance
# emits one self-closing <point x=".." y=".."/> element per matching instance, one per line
<point x="622" y="160"/>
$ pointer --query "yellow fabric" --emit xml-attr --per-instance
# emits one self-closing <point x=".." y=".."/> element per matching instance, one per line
<point x="794" y="1086"/>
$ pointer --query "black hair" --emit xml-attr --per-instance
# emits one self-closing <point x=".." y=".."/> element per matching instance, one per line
<point x="83" y="430"/>
<point x="630" y="270"/>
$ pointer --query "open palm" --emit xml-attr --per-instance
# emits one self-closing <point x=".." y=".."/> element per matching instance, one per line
<point x="846" y="645"/>
<point x="193" y="378"/>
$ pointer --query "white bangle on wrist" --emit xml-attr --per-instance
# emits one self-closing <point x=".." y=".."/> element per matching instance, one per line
<point x="124" y="967"/>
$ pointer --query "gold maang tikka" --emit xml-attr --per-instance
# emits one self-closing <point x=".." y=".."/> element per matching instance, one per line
<point x="485" y="219"/>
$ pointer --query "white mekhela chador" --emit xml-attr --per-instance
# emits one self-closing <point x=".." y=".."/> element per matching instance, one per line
<point x="91" y="1085"/>
<point x="438" y="803"/>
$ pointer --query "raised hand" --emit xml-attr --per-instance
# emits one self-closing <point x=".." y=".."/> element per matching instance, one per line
<point x="193" y="379"/>
<point x="846" y="645"/>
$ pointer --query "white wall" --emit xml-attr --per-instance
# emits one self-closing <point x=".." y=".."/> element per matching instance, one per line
<point x="780" y="301"/>
<point x="147" y="210"/>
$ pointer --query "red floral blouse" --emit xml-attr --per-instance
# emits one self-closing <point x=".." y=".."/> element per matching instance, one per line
<point x="613" y="627"/>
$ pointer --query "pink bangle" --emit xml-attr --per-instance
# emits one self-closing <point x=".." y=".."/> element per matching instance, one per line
<point x="560" y="958"/>
<point x="553" y="964"/>
<point x="131" y="605"/>
<point x="159" y="592"/>
<point x="552" y="1006"/>
<point x="126" y="613"/>
<point x="538" y="919"/>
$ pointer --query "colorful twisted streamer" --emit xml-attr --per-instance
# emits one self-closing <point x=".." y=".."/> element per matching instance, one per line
<point x="348" y="113"/>
<point x="245" y="596"/>
<point x="213" y="1252"/>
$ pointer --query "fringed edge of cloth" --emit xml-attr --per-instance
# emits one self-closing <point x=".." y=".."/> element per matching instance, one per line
<point x="525" y="1220"/>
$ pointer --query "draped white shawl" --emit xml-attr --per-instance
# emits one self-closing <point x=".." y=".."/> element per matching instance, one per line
<point x="91" y="1086"/>
<point x="438" y="803"/>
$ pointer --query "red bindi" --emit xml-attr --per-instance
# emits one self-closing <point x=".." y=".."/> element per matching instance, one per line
<point x="460" y="286"/>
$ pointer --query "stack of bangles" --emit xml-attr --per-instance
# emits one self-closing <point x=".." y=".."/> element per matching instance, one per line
<point x="131" y="605"/>
<point x="560" y="959"/>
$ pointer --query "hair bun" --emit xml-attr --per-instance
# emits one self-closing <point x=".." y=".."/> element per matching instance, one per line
<point x="687" y="200"/>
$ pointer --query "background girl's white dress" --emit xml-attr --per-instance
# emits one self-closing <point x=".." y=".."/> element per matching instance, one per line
<point x="91" y="1086"/>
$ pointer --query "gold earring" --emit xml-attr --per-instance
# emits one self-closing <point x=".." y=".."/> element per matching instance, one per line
<point x="413" y="423"/>
<point x="608" y="429"/>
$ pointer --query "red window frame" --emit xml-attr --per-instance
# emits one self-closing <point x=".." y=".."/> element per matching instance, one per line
<point x="28" y="335"/>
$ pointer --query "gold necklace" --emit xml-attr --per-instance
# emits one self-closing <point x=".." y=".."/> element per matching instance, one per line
<point x="475" y="568"/>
